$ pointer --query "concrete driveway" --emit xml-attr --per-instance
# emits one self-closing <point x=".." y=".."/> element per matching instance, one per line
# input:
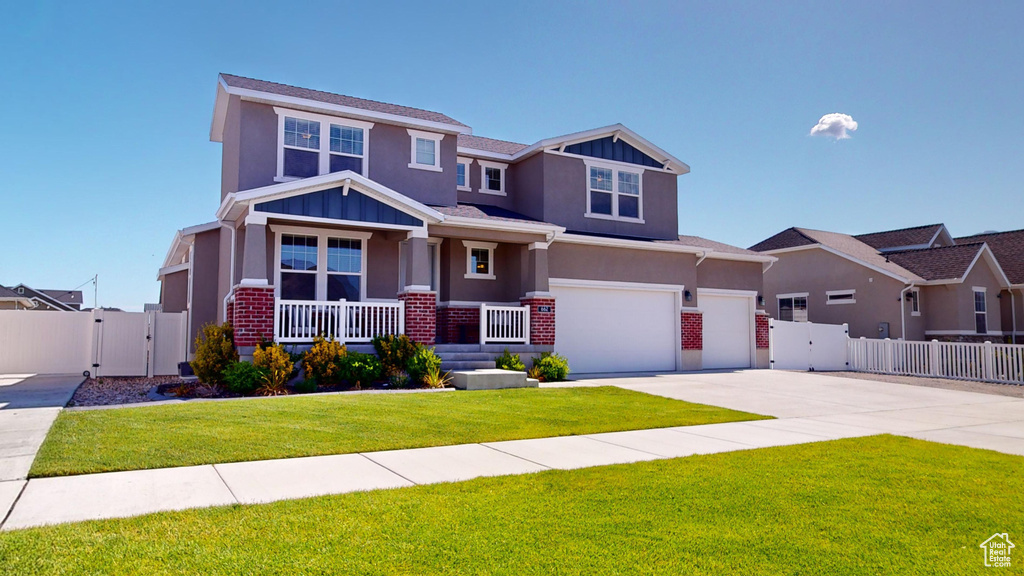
<point x="807" y="400"/>
<point x="29" y="404"/>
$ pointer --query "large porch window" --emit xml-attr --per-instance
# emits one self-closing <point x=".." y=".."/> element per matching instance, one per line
<point x="324" y="265"/>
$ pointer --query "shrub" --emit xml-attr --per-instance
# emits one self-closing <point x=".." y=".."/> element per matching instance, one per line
<point x="394" y="352"/>
<point x="551" y="367"/>
<point x="243" y="377"/>
<point x="535" y="373"/>
<point x="360" y="369"/>
<point x="215" y="351"/>
<point x="323" y="361"/>
<point x="305" y="386"/>
<point x="399" y="380"/>
<point x="434" y="379"/>
<point x="509" y="361"/>
<point x="422" y="362"/>
<point x="278" y="366"/>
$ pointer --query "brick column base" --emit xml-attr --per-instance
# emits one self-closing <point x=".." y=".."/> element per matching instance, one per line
<point x="692" y="326"/>
<point x="420" y="316"/>
<point x="252" y="315"/>
<point x="542" y="322"/>
<point x="458" y="325"/>
<point x="761" y="330"/>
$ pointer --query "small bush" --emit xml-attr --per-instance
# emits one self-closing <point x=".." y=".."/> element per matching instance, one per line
<point x="434" y="378"/>
<point x="399" y="380"/>
<point x="422" y="362"/>
<point x="394" y="352"/>
<point x="360" y="369"/>
<point x="535" y="373"/>
<point x="551" y="367"/>
<point x="243" y="377"/>
<point x="215" y="351"/>
<point x="278" y="366"/>
<point x="305" y="386"/>
<point x="509" y="361"/>
<point x="323" y="361"/>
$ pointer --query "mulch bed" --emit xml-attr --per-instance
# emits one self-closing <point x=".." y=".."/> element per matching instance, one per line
<point x="107" y="391"/>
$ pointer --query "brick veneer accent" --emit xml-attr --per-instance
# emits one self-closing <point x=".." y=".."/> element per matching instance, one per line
<point x="229" y="313"/>
<point x="252" y="315"/>
<point x="761" y="330"/>
<point x="450" y="323"/>
<point x="692" y="327"/>
<point x="542" y="324"/>
<point x="420" y="316"/>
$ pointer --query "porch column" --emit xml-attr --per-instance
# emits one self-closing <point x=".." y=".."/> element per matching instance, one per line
<point x="253" y="309"/>
<point x="420" y="300"/>
<point x="538" y="295"/>
<point x="417" y="264"/>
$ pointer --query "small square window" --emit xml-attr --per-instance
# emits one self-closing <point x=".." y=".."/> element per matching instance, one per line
<point x="460" y="175"/>
<point x="425" y="152"/>
<point x="493" y="178"/>
<point x="479" y="260"/>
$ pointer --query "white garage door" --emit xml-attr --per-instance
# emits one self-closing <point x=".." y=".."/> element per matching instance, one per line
<point x="727" y="330"/>
<point x="616" y="330"/>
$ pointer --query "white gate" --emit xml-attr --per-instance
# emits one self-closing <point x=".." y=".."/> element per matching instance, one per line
<point x="807" y="346"/>
<point x="102" y="342"/>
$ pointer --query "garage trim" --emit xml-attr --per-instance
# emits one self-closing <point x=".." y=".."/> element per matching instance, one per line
<point x="676" y="289"/>
<point x="751" y="296"/>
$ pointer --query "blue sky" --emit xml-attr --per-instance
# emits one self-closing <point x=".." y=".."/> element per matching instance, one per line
<point x="105" y="151"/>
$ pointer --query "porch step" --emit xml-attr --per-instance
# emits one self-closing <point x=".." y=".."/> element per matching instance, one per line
<point x="461" y="365"/>
<point x="468" y="356"/>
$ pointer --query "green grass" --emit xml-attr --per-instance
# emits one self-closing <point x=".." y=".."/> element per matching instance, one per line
<point x="879" y="505"/>
<point x="83" y="442"/>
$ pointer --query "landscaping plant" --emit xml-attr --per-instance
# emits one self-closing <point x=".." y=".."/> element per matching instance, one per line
<point x="508" y="361"/>
<point x="243" y="377"/>
<point x="360" y="369"/>
<point x="550" y="367"/>
<point x="305" y="386"/>
<point x="215" y="351"/>
<point x="394" y="352"/>
<point x="434" y="379"/>
<point x="278" y="366"/>
<point x="421" y="363"/>
<point x="323" y="361"/>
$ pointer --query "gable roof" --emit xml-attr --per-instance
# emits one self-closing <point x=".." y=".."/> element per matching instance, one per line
<point x="485" y="212"/>
<point x="711" y="245"/>
<point x="945" y="263"/>
<point x="490" y="144"/>
<point x="1008" y="248"/>
<point x="39" y="295"/>
<point x="8" y="295"/>
<point x="904" y="238"/>
<point x="788" y="238"/>
<point x="840" y="244"/>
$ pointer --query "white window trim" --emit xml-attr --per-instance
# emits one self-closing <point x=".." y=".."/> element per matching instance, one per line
<point x="325" y="141"/>
<point x="484" y="165"/>
<point x="917" y="298"/>
<point x="616" y="167"/>
<point x="829" y="293"/>
<point x="469" y="163"/>
<point x="792" y="296"/>
<point x="321" y="256"/>
<point x="471" y="273"/>
<point x="974" y="292"/>
<point x="413" y="135"/>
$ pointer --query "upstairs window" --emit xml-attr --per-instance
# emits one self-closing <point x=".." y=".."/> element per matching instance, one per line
<point x="614" y="193"/>
<point x="305" y="150"/>
<point x="301" y="147"/>
<point x="980" y="311"/>
<point x="426" y="150"/>
<point x="462" y="174"/>
<point x="492" y="178"/>
<point x="793" y="307"/>
<point x="346" y="148"/>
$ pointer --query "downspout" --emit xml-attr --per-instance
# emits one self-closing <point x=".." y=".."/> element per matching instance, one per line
<point x="188" y="303"/>
<point x="903" y="313"/>
<point x="231" y="278"/>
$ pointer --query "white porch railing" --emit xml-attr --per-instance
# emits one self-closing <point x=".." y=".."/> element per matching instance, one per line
<point x="504" y="324"/>
<point x="986" y="362"/>
<point x="303" y="320"/>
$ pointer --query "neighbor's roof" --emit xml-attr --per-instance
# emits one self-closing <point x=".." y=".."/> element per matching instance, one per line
<point x="337" y="99"/>
<point x="1008" y="248"/>
<point x="945" y="263"/>
<point x="66" y="296"/>
<point x="905" y="237"/>
<point x="490" y="144"/>
<point x="7" y="293"/>
<point x="699" y="242"/>
<point x="484" y="212"/>
<point x="843" y="243"/>
<point x="788" y="238"/>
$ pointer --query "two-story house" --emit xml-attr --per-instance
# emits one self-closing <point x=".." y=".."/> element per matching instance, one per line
<point x="351" y="217"/>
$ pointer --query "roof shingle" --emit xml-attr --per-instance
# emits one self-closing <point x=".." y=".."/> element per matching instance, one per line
<point x="788" y="238"/>
<point x="490" y="144"/>
<point x="1008" y="248"/>
<point x="945" y="263"/>
<point x="699" y="242"/>
<point x="916" y="236"/>
<point x="337" y="99"/>
<point x="485" y="212"/>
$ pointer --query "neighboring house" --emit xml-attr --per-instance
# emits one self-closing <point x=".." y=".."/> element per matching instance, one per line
<point x="334" y="210"/>
<point x="916" y="283"/>
<point x="52" y="300"/>
<point x="11" y="300"/>
<point x="1008" y="248"/>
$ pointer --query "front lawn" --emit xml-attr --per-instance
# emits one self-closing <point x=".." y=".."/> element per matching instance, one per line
<point x="82" y="442"/>
<point x="879" y="505"/>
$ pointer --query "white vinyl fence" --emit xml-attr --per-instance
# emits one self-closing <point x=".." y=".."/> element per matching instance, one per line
<point x="988" y="362"/>
<point x="807" y="346"/>
<point x="102" y="342"/>
<point x="504" y="324"/>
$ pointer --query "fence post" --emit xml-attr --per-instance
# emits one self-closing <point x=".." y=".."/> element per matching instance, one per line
<point x="989" y="361"/>
<point x="526" y="324"/>
<point x="933" y="358"/>
<point x="401" y="316"/>
<point x="150" y="339"/>
<point x="887" y="355"/>
<point x="483" y="324"/>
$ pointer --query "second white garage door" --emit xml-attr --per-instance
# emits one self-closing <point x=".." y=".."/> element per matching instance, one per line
<point x="727" y="329"/>
<point x="616" y="330"/>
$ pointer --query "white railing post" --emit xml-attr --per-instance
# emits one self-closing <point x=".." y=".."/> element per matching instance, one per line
<point x="526" y="325"/>
<point x="401" y="316"/>
<point x="484" y="324"/>
<point x="933" y="358"/>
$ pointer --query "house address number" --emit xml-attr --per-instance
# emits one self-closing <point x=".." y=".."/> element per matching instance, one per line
<point x="544" y="309"/>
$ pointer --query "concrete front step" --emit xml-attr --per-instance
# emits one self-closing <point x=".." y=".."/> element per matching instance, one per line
<point x="491" y="379"/>
<point x="466" y="365"/>
<point x="459" y="356"/>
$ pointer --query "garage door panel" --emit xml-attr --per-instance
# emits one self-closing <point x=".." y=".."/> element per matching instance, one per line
<point x="616" y="330"/>
<point x="727" y="331"/>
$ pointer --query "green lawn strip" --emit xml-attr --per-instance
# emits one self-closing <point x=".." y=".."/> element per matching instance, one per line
<point x="83" y="442"/>
<point x="878" y="505"/>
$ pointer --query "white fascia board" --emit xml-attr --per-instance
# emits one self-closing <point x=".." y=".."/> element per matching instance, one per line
<point x="985" y="251"/>
<point x="169" y="257"/>
<point x="171" y="270"/>
<point x="235" y="203"/>
<point x="615" y="285"/>
<point x="200" y="228"/>
<point x="346" y="110"/>
<point x="656" y="247"/>
<point x="713" y="255"/>
<point x="485" y="154"/>
<point x="936" y="235"/>
<point x="220" y="112"/>
<point x="463" y="222"/>
<point x="180" y="236"/>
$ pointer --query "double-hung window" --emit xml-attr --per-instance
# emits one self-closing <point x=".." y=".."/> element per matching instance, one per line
<point x="980" y="311"/>
<point x="426" y="150"/>
<point x="492" y="178"/>
<point x="793" y="307"/>
<point x="322" y="266"/>
<point x="462" y="174"/>
<point x="315" y="144"/>
<point x="479" y="260"/>
<point x="298" y="267"/>
<point x="915" y="302"/>
<point x="614" y="192"/>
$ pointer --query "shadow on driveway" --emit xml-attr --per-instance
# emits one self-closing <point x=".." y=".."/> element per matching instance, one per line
<point x="19" y="391"/>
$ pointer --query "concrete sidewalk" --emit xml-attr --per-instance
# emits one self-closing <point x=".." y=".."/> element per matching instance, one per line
<point x="29" y="404"/>
<point x="810" y="407"/>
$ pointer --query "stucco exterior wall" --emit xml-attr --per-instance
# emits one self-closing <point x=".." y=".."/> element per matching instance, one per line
<point x="729" y="275"/>
<point x="257" y="145"/>
<point x="205" y="265"/>
<point x="506" y="287"/>
<point x="816" y="271"/>
<point x="585" y="262"/>
<point x="174" y="292"/>
<point x="390" y="153"/>
<point x="950" y="307"/>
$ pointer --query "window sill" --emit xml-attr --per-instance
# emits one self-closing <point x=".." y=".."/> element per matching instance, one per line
<point x="480" y="277"/>
<point x="915" y="313"/>
<point x="425" y="167"/>
<point x="463" y="188"/>
<point x="493" y="192"/>
<point x="839" y="302"/>
<point x="614" y="218"/>
<point x="286" y="178"/>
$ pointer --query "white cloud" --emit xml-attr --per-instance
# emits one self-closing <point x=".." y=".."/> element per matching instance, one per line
<point x="835" y="126"/>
